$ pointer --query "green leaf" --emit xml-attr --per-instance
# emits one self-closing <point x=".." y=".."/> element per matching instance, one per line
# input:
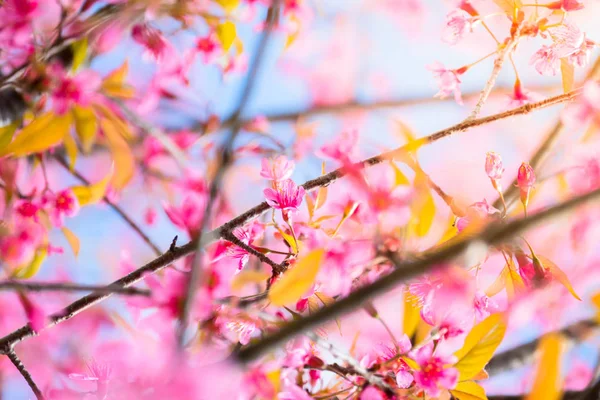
<point x="296" y="281"/>
<point x="480" y="345"/>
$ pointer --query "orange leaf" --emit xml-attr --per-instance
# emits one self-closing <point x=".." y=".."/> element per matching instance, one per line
<point x="114" y="83"/>
<point x="548" y="382"/>
<point x="41" y="134"/>
<point x="469" y="391"/>
<point x="558" y="274"/>
<point x="509" y="6"/>
<point x="568" y="74"/>
<point x="296" y="281"/>
<point x="72" y="239"/>
<point x="121" y="153"/>
<point x="86" y="126"/>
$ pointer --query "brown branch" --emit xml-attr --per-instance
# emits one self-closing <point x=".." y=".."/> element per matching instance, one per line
<point x="224" y="161"/>
<point x="230" y="237"/>
<point x="112" y="205"/>
<point x="178" y="252"/>
<point x="522" y="354"/>
<point x="542" y="152"/>
<point x="70" y="287"/>
<point x="494" y="234"/>
<point x="12" y="356"/>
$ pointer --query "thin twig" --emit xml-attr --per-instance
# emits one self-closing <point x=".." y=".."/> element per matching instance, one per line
<point x="222" y="166"/>
<point x="70" y="287"/>
<point x="495" y="233"/>
<point x="12" y="356"/>
<point x="230" y="237"/>
<point x="176" y="253"/>
<point x="542" y="152"/>
<point x="112" y="205"/>
<point x="489" y="85"/>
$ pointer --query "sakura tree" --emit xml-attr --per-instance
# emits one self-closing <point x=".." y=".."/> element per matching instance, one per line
<point x="168" y="233"/>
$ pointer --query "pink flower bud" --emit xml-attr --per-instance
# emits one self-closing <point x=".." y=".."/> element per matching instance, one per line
<point x="525" y="177"/>
<point x="493" y="165"/>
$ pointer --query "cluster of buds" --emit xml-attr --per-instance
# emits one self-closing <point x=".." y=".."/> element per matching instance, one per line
<point x="525" y="178"/>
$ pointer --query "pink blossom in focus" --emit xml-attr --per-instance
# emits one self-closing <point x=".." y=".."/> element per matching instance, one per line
<point x="287" y="197"/>
<point x="433" y="374"/>
<point x="277" y="169"/>
<point x="237" y="252"/>
<point x="447" y="81"/>
<point x="458" y="24"/>
<point x="546" y="61"/>
<point x="525" y="176"/>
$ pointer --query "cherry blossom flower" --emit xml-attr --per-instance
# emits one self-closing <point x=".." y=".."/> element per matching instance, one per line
<point x="566" y="5"/>
<point x="151" y="38"/>
<point x="237" y="252"/>
<point x="372" y="393"/>
<point x="586" y="108"/>
<point x="525" y="181"/>
<point x="19" y="245"/>
<point x="210" y="47"/>
<point x="484" y="306"/>
<point x="447" y="81"/>
<point x="477" y="213"/>
<point x="67" y="91"/>
<point x="546" y="61"/>
<point x="60" y="205"/>
<point x="521" y="96"/>
<point x="342" y="149"/>
<point x="287" y="197"/>
<point x="433" y="374"/>
<point x="188" y="215"/>
<point x="493" y="166"/>
<point x="458" y="24"/>
<point x="277" y="169"/>
<point x="35" y="314"/>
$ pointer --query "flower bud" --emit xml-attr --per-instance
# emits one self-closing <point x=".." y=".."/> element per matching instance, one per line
<point x="493" y="166"/>
<point x="525" y="181"/>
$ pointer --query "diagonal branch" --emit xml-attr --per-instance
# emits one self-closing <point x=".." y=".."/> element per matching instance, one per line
<point x="112" y="205"/>
<point x="12" y="356"/>
<point x="176" y="253"/>
<point x="70" y="287"/>
<point x="495" y="233"/>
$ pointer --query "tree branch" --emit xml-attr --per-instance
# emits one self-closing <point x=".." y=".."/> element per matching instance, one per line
<point x="222" y="166"/>
<point x="175" y="253"/>
<point x="522" y="354"/>
<point x="112" y="205"/>
<point x="494" y="234"/>
<point x="70" y="287"/>
<point x="12" y="356"/>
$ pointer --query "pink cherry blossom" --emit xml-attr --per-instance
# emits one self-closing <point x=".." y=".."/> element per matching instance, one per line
<point x="60" y="205"/>
<point x="68" y="91"/>
<point x="342" y="149"/>
<point x="372" y="393"/>
<point x="287" y="197"/>
<point x="546" y="61"/>
<point x="458" y="24"/>
<point x="277" y="169"/>
<point x="566" y="5"/>
<point x="188" y="215"/>
<point x="484" y="306"/>
<point x="433" y="374"/>
<point x="447" y="81"/>
<point x="19" y="246"/>
<point x="209" y="47"/>
<point x="152" y="39"/>
<point x="525" y="177"/>
<point x="493" y="166"/>
<point x="586" y="108"/>
<point x="477" y="212"/>
<point x="35" y="314"/>
<point x="521" y="96"/>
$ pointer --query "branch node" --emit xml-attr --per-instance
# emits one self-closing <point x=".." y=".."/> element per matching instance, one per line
<point x="173" y="245"/>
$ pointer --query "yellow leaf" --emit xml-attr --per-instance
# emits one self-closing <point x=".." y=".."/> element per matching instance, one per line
<point x="509" y="6"/>
<point x="6" y="134"/>
<point x="469" y="391"/>
<point x="296" y="281"/>
<point x="481" y="375"/>
<point x="558" y="274"/>
<point x="121" y="154"/>
<point x="411" y="363"/>
<point x="79" y="52"/>
<point x="114" y="83"/>
<point x="248" y="276"/>
<point x="30" y="270"/>
<point x="228" y="5"/>
<point x="290" y="241"/>
<point x="86" y="126"/>
<point x="548" y="383"/>
<point x="480" y="345"/>
<point x="226" y="33"/>
<point x="274" y="378"/>
<point x="41" y="134"/>
<point x="423" y="211"/>
<point x="295" y="24"/>
<point x="71" y="148"/>
<point x="568" y="74"/>
<point x="399" y="178"/>
<point x="411" y="316"/>
<point x="93" y="193"/>
<point x="72" y="239"/>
